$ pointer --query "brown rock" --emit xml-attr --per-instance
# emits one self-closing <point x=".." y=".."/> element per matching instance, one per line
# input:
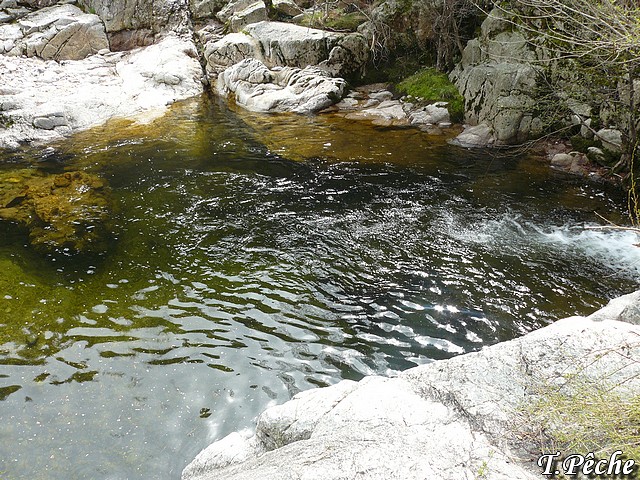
<point x="65" y="212"/>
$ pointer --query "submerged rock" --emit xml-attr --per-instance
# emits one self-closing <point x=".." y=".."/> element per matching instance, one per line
<point x="450" y="419"/>
<point x="67" y="212"/>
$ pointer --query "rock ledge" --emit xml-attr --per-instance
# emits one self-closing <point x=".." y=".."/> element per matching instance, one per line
<point x="451" y="419"/>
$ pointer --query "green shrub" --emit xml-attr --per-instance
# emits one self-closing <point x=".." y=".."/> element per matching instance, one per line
<point x="434" y="86"/>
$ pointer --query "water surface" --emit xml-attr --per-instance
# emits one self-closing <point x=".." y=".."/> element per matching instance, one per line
<point x="257" y="256"/>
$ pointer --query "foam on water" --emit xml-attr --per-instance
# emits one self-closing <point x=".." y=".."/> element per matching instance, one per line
<point x="511" y="234"/>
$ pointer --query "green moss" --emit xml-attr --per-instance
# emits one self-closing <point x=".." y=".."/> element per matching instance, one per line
<point x="433" y="86"/>
<point x="347" y="22"/>
<point x="581" y="144"/>
<point x="337" y="20"/>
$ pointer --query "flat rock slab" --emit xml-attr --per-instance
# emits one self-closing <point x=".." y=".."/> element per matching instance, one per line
<point x="452" y="419"/>
<point x="45" y="100"/>
<point x="374" y="103"/>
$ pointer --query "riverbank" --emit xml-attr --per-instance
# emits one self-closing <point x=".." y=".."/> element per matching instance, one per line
<point x="466" y="417"/>
<point x="136" y="73"/>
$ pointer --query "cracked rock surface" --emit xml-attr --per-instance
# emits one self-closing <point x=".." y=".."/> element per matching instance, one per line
<point x="286" y="44"/>
<point x="60" y="32"/>
<point x="450" y="419"/>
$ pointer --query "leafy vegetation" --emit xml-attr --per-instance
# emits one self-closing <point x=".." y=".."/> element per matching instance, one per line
<point x="433" y="86"/>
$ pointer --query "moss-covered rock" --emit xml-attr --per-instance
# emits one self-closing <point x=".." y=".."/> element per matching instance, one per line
<point x="65" y="212"/>
<point x="429" y="86"/>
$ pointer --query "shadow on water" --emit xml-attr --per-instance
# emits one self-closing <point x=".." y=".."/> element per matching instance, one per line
<point x="252" y="260"/>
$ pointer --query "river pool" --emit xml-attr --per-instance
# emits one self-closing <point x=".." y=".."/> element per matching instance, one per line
<point x="256" y="256"/>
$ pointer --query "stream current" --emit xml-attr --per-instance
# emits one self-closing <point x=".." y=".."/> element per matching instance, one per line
<point x="258" y="256"/>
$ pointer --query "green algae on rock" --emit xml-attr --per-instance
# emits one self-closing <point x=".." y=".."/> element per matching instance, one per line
<point x="67" y="212"/>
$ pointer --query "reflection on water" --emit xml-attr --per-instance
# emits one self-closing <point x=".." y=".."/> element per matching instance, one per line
<point x="240" y="277"/>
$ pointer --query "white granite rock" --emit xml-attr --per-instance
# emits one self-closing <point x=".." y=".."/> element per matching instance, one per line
<point x="447" y="420"/>
<point x="45" y="100"/>
<point x="60" y="32"/>
<point x="285" y="89"/>
<point x="475" y="136"/>
<point x="285" y="44"/>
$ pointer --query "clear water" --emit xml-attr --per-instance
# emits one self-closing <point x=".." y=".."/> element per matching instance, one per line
<point x="240" y="277"/>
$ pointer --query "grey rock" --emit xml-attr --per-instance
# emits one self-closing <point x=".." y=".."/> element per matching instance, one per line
<point x="157" y="16"/>
<point x="572" y="162"/>
<point x="291" y="45"/>
<point x="302" y="62"/>
<point x="596" y="155"/>
<point x="497" y="94"/>
<point x="245" y="13"/>
<point x="347" y="103"/>
<point x="562" y="160"/>
<point x="201" y="9"/>
<point x="381" y="96"/>
<point x="580" y="163"/>
<point x="60" y="32"/>
<point x="611" y="139"/>
<point x="475" y="136"/>
<point x="229" y="50"/>
<point x="286" y="89"/>
<point x="287" y="7"/>
<point x="283" y="44"/>
<point x="51" y="121"/>
<point x="624" y="309"/>
<point x="497" y="79"/>
<point x="232" y="7"/>
<point x="450" y="419"/>
<point x="256" y="12"/>
<point x="125" y="40"/>
<point x="434" y="114"/>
